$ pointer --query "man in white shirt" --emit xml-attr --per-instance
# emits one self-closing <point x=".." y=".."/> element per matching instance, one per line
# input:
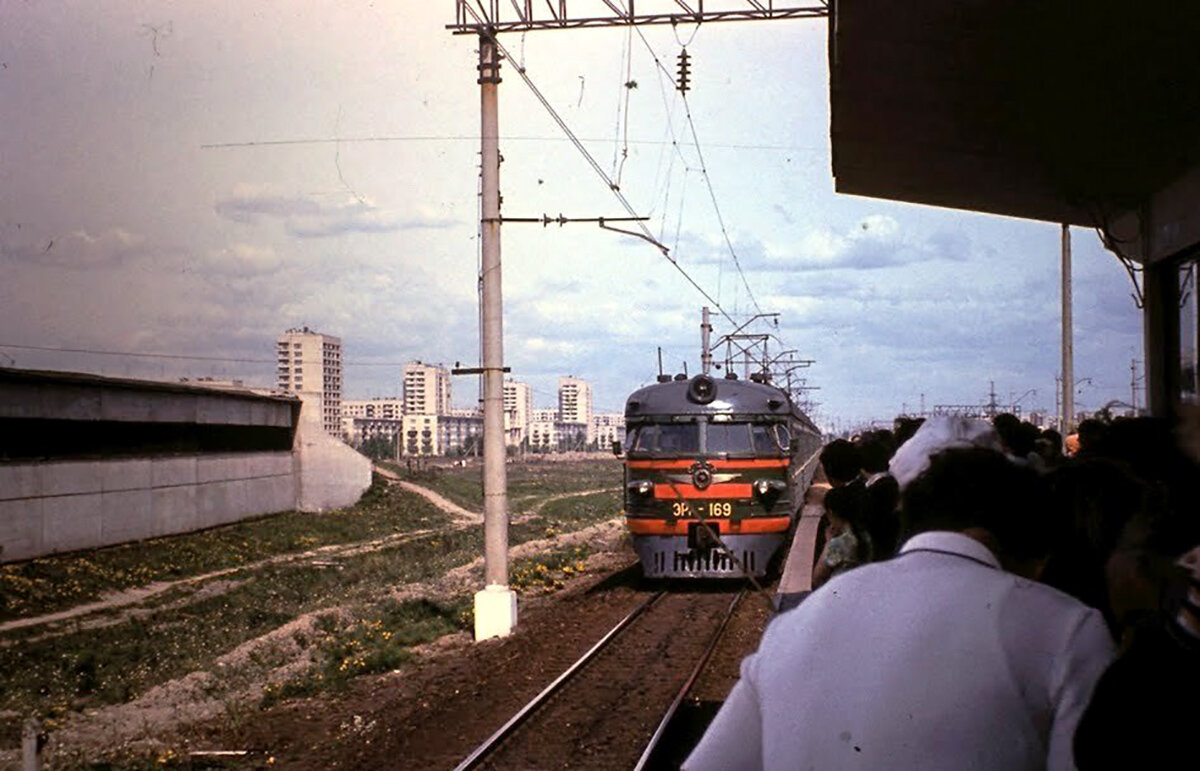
<point x="944" y="657"/>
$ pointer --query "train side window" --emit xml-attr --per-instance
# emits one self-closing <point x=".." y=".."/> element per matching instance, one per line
<point x="763" y="442"/>
<point x="782" y="437"/>
<point x="630" y="439"/>
<point x="646" y="439"/>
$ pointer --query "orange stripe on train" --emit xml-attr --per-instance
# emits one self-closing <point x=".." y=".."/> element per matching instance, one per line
<point x="680" y="526"/>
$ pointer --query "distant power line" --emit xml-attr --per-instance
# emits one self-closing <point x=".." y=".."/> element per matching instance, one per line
<point x="184" y="357"/>
<point x="475" y="138"/>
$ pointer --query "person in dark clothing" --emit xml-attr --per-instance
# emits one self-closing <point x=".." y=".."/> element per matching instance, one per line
<point x="905" y="428"/>
<point x="882" y="493"/>
<point x="1049" y="446"/>
<point x="849" y="543"/>
<point x="841" y="462"/>
<point x="1091" y="502"/>
<point x="1092" y="436"/>
<point x="1144" y="708"/>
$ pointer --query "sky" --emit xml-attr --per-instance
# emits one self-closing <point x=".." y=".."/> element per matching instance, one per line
<point x="186" y="179"/>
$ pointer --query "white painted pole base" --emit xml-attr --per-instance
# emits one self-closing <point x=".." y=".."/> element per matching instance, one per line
<point x="495" y="612"/>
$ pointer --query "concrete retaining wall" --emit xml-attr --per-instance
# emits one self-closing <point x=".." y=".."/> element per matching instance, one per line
<point x="88" y="461"/>
<point x="56" y="506"/>
<point x="331" y="473"/>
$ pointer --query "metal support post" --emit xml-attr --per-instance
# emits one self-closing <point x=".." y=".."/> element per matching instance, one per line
<point x="705" y="333"/>
<point x="1160" y="319"/>
<point x="496" y="605"/>
<point x="1068" y="353"/>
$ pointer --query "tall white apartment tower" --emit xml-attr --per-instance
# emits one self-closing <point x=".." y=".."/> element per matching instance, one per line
<point x="575" y="402"/>
<point x="518" y="410"/>
<point x="426" y="389"/>
<point x="309" y="362"/>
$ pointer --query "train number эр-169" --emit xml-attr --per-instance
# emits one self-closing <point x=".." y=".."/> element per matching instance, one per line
<point x="701" y="510"/>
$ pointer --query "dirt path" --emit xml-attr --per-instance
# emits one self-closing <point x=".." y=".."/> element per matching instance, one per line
<point x="545" y="501"/>
<point x="462" y="515"/>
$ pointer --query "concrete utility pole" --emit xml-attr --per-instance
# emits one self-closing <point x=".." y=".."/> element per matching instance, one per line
<point x="1133" y="378"/>
<point x="496" y="605"/>
<point x="705" y="334"/>
<point x="1068" y="354"/>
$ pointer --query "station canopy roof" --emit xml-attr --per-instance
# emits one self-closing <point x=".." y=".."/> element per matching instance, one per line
<point x="1056" y="110"/>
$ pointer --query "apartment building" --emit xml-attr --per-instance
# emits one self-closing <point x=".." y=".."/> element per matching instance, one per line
<point x="389" y="407"/>
<point x="574" y="400"/>
<point x="607" y="427"/>
<point x="426" y="389"/>
<point x="575" y="403"/>
<point x="459" y="433"/>
<point x="547" y="433"/>
<point x="310" y="363"/>
<point x="358" y="430"/>
<point x="518" y="412"/>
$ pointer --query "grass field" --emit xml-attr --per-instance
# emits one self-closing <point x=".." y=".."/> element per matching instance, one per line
<point x="528" y="482"/>
<point x="273" y="578"/>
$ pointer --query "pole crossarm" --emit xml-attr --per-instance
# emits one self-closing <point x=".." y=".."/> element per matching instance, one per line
<point x="528" y="15"/>
<point x="560" y="220"/>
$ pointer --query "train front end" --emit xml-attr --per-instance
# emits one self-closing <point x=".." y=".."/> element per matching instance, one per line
<point x="710" y="487"/>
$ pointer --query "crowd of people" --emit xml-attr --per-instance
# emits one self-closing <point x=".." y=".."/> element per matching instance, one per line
<point x="988" y="595"/>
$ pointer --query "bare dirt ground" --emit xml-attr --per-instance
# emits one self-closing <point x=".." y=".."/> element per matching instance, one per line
<point x="432" y="713"/>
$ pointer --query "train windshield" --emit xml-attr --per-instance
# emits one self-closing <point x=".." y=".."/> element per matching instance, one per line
<point x="709" y="439"/>
<point x="668" y="438"/>
<point x="726" y="438"/>
<point x="743" y="439"/>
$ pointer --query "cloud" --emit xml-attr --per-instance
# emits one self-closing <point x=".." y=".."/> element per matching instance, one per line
<point x="308" y="217"/>
<point x="79" y="250"/>
<point x="874" y="242"/>
<point x="243" y="260"/>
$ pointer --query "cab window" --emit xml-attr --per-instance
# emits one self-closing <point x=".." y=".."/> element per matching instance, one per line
<point x="764" y="444"/>
<point x="729" y="438"/>
<point x="668" y="438"/>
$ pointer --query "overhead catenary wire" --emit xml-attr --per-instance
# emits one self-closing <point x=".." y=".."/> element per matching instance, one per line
<point x="717" y="208"/>
<point x="612" y="186"/>
<point x="703" y="168"/>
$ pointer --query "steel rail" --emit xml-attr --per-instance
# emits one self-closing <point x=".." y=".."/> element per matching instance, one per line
<point x="493" y="741"/>
<point x="687" y="686"/>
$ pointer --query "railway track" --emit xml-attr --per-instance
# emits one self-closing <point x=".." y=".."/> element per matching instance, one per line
<point x="614" y="706"/>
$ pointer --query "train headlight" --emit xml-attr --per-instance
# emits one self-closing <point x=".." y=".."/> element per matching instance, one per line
<point x="702" y="389"/>
<point x="643" y="487"/>
<point x="765" y="487"/>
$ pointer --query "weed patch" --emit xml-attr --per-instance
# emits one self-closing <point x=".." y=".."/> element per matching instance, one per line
<point x="378" y="642"/>
<point x="52" y="583"/>
<point x="547" y="572"/>
<point x="112" y="665"/>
